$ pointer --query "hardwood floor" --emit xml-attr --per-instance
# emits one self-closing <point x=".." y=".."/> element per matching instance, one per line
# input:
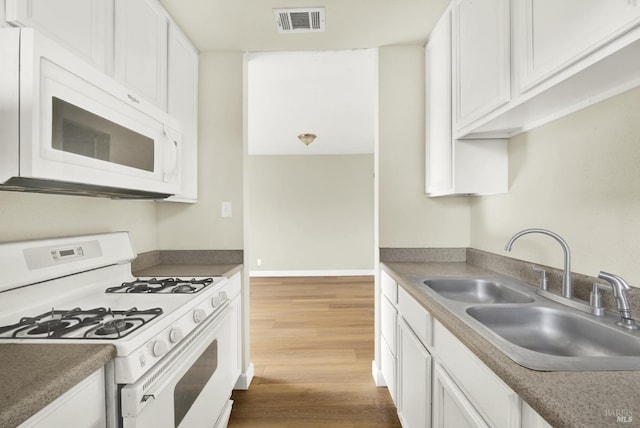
<point x="312" y="347"/>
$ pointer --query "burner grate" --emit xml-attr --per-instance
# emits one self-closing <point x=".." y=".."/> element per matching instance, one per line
<point x="162" y="286"/>
<point x="95" y="323"/>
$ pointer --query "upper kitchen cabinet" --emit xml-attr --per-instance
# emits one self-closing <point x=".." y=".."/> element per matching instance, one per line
<point x="552" y="35"/>
<point x="453" y="166"/>
<point x="565" y="56"/>
<point x="84" y="26"/>
<point x="140" y="54"/>
<point x="439" y="146"/>
<point x="481" y="58"/>
<point x="182" y="104"/>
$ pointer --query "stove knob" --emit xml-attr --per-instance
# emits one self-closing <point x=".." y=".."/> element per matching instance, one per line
<point x="198" y="315"/>
<point x="215" y="301"/>
<point x="160" y="348"/>
<point x="175" y="335"/>
<point x="223" y="296"/>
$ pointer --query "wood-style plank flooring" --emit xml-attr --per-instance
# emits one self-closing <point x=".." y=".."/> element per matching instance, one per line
<point x="312" y="347"/>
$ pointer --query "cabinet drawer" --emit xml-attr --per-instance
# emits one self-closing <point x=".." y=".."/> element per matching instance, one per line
<point x="388" y="323"/>
<point x="416" y="317"/>
<point x="389" y="287"/>
<point x="494" y="400"/>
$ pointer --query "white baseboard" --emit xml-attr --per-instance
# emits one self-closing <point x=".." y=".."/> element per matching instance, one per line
<point x="291" y="273"/>
<point x="244" y="380"/>
<point x="378" y="379"/>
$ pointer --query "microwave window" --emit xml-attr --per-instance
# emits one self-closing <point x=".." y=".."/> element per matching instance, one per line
<point x="83" y="133"/>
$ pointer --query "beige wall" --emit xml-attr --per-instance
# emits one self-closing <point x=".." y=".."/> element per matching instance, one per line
<point x="159" y="225"/>
<point x="407" y="217"/>
<point x="32" y="216"/>
<point x="200" y="226"/>
<point x="580" y="177"/>
<point x="311" y="213"/>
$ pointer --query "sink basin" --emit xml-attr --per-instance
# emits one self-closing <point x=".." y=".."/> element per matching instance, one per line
<point x="476" y="290"/>
<point x="554" y="332"/>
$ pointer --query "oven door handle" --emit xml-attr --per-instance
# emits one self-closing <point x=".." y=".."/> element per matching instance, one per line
<point x="137" y="395"/>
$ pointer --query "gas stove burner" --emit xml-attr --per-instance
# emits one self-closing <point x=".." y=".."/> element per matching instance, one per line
<point x="183" y="288"/>
<point x="113" y="327"/>
<point x="48" y="327"/>
<point x="96" y="323"/>
<point x="162" y="286"/>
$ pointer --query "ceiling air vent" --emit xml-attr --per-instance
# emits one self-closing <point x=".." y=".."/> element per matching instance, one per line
<point x="300" y="20"/>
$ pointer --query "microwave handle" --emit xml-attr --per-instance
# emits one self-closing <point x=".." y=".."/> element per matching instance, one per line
<point x="171" y="154"/>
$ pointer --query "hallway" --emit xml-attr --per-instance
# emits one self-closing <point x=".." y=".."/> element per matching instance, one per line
<point x="312" y="342"/>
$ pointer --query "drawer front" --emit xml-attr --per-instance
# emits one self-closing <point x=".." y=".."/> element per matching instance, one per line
<point x="416" y="317"/>
<point x="494" y="400"/>
<point x="389" y="287"/>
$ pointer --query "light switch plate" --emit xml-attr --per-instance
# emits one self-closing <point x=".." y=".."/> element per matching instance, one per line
<point x="226" y="210"/>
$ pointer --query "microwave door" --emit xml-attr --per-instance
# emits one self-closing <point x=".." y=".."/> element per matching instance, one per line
<point x="80" y="132"/>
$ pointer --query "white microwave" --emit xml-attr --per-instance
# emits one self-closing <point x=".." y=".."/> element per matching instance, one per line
<point x="66" y="127"/>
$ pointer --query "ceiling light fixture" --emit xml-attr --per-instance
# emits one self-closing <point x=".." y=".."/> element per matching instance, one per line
<point x="307" y="138"/>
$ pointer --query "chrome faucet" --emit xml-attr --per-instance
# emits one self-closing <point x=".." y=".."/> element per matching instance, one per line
<point x="567" y="288"/>
<point x="620" y="288"/>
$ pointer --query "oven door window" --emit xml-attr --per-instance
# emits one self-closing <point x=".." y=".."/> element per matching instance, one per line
<point x="194" y="380"/>
<point x="83" y="133"/>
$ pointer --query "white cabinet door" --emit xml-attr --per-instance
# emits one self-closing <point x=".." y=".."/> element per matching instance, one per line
<point x="498" y="404"/>
<point x="234" y="292"/>
<point x="182" y="103"/>
<point x="439" y="149"/>
<point x="83" y="26"/>
<point x="451" y="409"/>
<point x="388" y="345"/>
<point x="388" y="365"/>
<point x="84" y="405"/>
<point x="414" y="380"/>
<point x="551" y="35"/>
<point x="141" y="49"/>
<point x="455" y="166"/>
<point x="236" y="341"/>
<point x="481" y="58"/>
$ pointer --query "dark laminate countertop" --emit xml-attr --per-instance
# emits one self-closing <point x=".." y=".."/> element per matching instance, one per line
<point x="189" y="270"/>
<point x="564" y="399"/>
<point x="34" y="375"/>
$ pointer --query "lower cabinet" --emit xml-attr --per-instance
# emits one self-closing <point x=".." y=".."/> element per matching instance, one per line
<point x="495" y="403"/>
<point x="435" y="380"/>
<point x="234" y="290"/>
<point x="414" y="379"/>
<point x="81" y="406"/>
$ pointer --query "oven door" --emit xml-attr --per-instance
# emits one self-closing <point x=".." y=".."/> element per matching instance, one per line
<point x="189" y="387"/>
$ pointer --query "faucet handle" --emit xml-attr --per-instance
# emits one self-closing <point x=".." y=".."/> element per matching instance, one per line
<point x="595" y="298"/>
<point x="544" y="281"/>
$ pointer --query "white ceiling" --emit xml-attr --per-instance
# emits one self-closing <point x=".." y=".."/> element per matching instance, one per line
<point x="249" y="25"/>
<point x="326" y="92"/>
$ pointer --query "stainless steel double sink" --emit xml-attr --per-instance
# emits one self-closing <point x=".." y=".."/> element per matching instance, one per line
<point x="532" y="330"/>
